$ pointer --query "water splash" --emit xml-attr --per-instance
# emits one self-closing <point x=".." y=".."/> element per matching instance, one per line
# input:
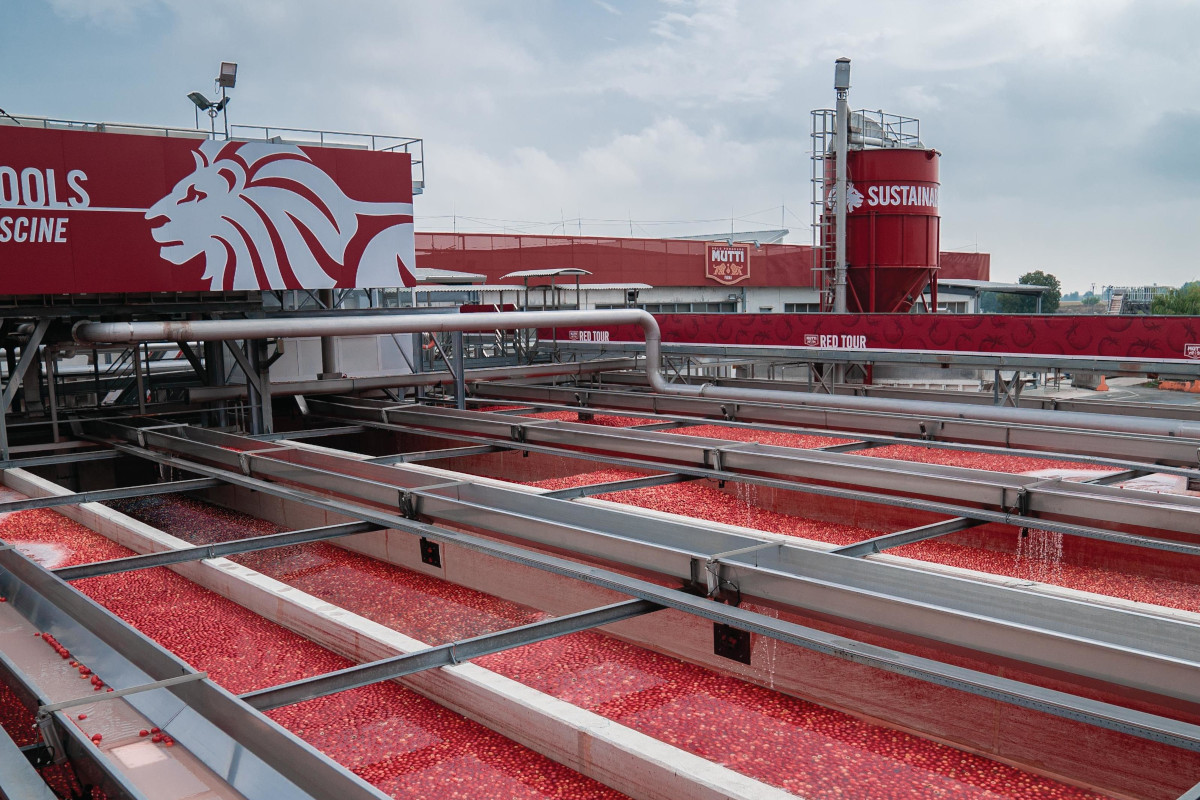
<point x="1038" y="555"/>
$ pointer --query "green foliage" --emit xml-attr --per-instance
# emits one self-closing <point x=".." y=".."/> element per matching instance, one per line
<point x="1090" y="300"/>
<point x="1184" y="301"/>
<point x="1027" y="304"/>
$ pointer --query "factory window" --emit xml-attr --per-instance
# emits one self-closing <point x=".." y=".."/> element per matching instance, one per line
<point x="801" y="308"/>
<point x="765" y="309"/>
<point x="688" y="308"/>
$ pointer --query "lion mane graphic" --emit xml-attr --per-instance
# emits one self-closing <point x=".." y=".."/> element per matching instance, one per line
<point x="264" y="216"/>
<point x="854" y="198"/>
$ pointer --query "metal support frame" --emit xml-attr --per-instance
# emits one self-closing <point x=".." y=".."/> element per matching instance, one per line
<point x="437" y="455"/>
<point x="444" y="655"/>
<point x="944" y="426"/>
<point x="1021" y="499"/>
<point x="62" y="458"/>
<point x="21" y="780"/>
<point x="1007" y="392"/>
<point x="1143" y="652"/>
<point x="822" y="377"/>
<point x="100" y="495"/>
<point x="1061" y="704"/>
<point x="460" y="386"/>
<point x="119" y="693"/>
<point x="16" y="376"/>
<point x="258" y="383"/>
<point x="216" y="550"/>
<point x="1007" y="517"/>
<point x="50" y="357"/>
<point x="139" y="376"/>
<point x="618" y="486"/>
<point x="880" y="543"/>
<point x="341" y="430"/>
<point x="255" y="755"/>
<point x="194" y="359"/>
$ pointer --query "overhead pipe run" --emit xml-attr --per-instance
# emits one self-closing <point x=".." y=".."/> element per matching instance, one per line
<point x="209" y="330"/>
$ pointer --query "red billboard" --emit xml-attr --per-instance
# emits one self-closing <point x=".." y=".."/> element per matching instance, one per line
<point x="85" y="212"/>
<point x="1138" y="337"/>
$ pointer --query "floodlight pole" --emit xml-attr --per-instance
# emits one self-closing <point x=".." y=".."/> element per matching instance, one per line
<point x="225" y="112"/>
<point x="841" y="146"/>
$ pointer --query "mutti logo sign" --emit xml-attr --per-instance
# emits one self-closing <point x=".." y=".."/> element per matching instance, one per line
<point x="727" y="264"/>
<point x="1191" y="350"/>
<point x="843" y="341"/>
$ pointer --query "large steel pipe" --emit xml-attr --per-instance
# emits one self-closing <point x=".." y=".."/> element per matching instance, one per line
<point x="228" y="329"/>
<point x="128" y="332"/>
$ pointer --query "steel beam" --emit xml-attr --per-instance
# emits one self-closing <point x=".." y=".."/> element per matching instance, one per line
<point x="618" y="486"/>
<point x="1108" y="365"/>
<point x="878" y="544"/>
<point x="29" y="352"/>
<point x="341" y="430"/>
<point x="1124" y="648"/>
<point x="1006" y="517"/>
<point x="217" y="550"/>
<point x="437" y="455"/>
<point x="1113" y="717"/>
<point x="444" y="655"/>
<point x="20" y="780"/>
<point x="100" y="495"/>
<point x="65" y="458"/>
<point x="1098" y="446"/>
<point x="1027" y="496"/>
<point x="254" y="754"/>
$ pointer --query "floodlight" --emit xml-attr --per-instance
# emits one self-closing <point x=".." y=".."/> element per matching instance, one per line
<point x="220" y="104"/>
<point x="841" y="74"/>
<point x="202" y="102"/>
<point x="228" y="76"/>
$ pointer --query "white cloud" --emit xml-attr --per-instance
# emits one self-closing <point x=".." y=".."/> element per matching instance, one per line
<point x="686" y="108"/>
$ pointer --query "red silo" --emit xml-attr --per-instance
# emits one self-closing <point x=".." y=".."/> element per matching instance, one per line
<point x="891" y="227"/>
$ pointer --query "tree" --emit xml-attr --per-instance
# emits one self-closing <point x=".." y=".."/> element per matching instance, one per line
<point x="1027" y="304"/>
<point x="1184" y="301"/>
<point x="1091" y="300"/>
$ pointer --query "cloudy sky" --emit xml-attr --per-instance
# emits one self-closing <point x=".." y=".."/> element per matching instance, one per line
<point x="1069" y="129"/>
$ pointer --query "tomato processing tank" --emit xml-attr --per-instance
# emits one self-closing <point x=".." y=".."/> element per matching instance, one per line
<point x="889" y="252"/>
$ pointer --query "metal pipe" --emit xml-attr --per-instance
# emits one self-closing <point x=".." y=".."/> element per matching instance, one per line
<point x="841" y="148"/>
<point x="232" y="329"/>
<point x="329" y="359"/>
<point x="191" y="330"/>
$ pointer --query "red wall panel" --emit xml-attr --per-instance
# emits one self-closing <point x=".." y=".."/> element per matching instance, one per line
<point x="1051" y="334"/>
<point x="659" y="262"/>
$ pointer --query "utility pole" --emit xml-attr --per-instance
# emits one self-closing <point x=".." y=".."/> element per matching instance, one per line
<point x="841" y="146"/>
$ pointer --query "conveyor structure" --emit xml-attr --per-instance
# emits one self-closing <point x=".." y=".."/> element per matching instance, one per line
<point x="426" y="486"/>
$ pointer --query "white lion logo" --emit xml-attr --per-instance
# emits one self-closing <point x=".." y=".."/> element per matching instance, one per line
<point x="266" y="217"/>
<point x="854" y="198"/>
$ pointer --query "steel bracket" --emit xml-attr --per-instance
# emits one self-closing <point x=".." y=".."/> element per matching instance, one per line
<point x="517" y="433"/>
<point x="409" y="504"/>
<point x="40" y="755"/>
<point x="52" y="738"/>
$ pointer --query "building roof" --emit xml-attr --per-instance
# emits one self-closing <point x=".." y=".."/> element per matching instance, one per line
<point x="991" y="286"/>
<point x="427" y="275"/>
<point x="545" y="273"/>
<point x="772" y="236"/>
<point x="516" y="287"/>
